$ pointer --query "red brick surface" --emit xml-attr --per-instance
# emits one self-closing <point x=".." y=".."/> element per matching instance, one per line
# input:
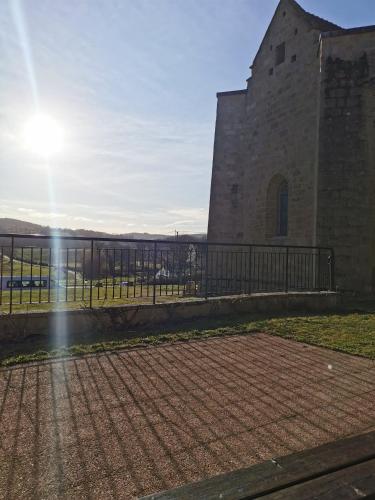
<point x="131" y="423"/>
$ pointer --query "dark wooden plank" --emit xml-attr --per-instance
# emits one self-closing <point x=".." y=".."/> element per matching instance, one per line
<point x="349" y="483"/>
<point x="274" y="475"/>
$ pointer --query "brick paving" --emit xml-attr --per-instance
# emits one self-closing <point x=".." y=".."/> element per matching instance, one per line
<point x="122" y="425"/>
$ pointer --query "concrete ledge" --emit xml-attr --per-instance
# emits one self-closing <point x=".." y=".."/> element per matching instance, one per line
<point x="19" y="326"/>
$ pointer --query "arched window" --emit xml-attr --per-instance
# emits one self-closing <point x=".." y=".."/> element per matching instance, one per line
<point x="277" y="207"/>
<point x="282" y="212"/>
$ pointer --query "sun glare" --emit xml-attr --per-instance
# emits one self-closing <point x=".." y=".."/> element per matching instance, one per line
<point x="43" y="135"/>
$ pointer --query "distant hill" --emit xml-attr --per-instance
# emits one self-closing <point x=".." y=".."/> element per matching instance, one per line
<point x="20" y="227"/>
<point x="16" y="226"/>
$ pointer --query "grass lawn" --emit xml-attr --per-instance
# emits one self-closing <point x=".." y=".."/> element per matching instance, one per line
<point x="353" y="333"/>
<point x="44" y="300"/>
<point x="350" y="331"/>
<point x="22" y="268"/>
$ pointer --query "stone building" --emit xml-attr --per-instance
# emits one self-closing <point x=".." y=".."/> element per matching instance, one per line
<point x="294" y="153"/>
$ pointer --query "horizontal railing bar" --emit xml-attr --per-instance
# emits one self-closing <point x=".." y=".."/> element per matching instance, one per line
<point x="161" y="242"/>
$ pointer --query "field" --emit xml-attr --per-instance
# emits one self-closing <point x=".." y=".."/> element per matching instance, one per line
<point x="67" y="289"/>
<point x="63" y="298"/>
<point x="21" y="268"/>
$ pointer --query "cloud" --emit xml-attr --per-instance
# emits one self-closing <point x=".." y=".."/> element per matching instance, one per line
<point x="27" y="210"/>
<point x="180" y="223"/>
<point x="43" y="215"/>
<point x="83" y="219"/>
<point x="158" y="220"/>
<point x="136" y="153"/>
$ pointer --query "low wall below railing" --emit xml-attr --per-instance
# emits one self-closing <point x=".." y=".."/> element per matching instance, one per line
<point x="122" y="318"/>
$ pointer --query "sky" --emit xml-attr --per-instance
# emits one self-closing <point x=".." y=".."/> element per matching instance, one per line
<point x="132" y="84"/>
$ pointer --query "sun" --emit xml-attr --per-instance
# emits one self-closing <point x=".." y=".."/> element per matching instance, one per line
<point x="43" y="135"/>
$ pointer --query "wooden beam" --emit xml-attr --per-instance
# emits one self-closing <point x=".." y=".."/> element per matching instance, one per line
<point x="279" y="474"/>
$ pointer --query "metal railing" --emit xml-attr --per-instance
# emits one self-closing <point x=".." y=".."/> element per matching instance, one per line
<point x="46" y="272"/>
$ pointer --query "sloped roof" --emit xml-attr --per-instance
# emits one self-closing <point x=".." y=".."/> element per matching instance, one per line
<point x="315" y="22"/>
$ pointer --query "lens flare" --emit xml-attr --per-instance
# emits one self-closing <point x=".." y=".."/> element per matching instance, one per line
<point x="43" y="135"/>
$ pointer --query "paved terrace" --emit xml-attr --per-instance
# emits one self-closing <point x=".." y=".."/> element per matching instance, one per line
<point x="127" y="424"/>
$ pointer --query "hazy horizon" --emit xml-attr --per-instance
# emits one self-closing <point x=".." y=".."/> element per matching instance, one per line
<point x="132" y="85"/>
<point x="67" y="228"/>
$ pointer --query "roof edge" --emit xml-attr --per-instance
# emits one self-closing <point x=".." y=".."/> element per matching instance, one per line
<point x="231" y="92"/>
<point x="349" y="31"/>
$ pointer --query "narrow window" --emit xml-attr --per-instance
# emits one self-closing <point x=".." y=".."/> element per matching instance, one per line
<point x="283" y="210"/>
<point x="276" y="213"/>
<point x="280" y="54"/>
<point x="294" y="58"/>
<point x="234" y="195"/>
<point x="270" y="71"/>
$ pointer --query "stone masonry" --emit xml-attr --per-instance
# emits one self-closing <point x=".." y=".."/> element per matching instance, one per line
<point x="305" y="123"/>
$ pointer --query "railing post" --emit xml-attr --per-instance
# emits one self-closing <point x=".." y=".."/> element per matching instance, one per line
<point x="319" y="283"/>
<point x="154" y="280"/>
<point x="11" y="275"/>
<point x="331" y="264"/>
<point x="91" y="270"/>
<point x="287" y="270"/>
<point x="250" y="255"/>
<point x="206" y="274"/>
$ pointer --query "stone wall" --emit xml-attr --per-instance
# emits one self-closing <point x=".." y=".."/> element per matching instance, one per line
<point x="225" y="221"/>
<point x="122" y="318"/>
<point x="276" y="137"/>
<point x="282" y="131"/>
<point x="308" y="121"/>
<point x="346" y="181"/>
